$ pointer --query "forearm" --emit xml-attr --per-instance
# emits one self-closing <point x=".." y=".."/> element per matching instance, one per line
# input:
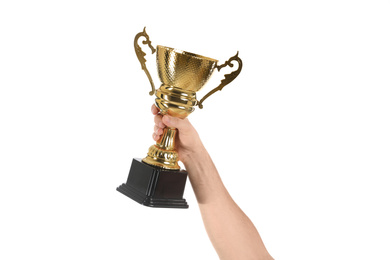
<point x="204" y="178"/>
<point x="231" y="232"/>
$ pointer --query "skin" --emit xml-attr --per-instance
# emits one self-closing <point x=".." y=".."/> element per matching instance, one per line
<point x="231" y="232"/>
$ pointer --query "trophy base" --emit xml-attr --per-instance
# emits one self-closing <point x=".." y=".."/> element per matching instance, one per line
<point x="155" y="187"/>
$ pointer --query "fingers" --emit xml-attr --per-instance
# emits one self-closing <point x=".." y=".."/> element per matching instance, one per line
<point x="161" y="121"/>
<point x="155" y="109"/>
<point x="181" y="124"/>
<point x="158" y="127"/>
<point x="156" y="137"/>
<point x="158" y="121"/>
<point x="157" y="132"/>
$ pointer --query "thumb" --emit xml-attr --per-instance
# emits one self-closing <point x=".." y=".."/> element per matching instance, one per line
<point x="174" y="122"/>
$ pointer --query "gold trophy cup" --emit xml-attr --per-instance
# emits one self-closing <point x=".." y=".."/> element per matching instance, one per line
<point x="157" y="180"/>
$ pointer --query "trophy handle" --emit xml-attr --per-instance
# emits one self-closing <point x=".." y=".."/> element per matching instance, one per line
<point x="228" y="77"/>
<point x="141" y="55"/>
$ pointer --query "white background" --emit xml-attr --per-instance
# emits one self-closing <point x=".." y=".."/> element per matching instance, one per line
<point x="300" y="138"/>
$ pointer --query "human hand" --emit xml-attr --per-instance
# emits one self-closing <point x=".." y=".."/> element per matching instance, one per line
<point x="187" y="139"/>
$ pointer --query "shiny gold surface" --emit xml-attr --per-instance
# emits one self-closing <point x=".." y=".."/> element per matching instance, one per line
<point x="175" y="102"/>
<point x="182" y="75"/>
<point x="183" y="70"/>
<point x="228" y="77"/>
<point x="141" y="55"/>
<point x="163" y="153"/>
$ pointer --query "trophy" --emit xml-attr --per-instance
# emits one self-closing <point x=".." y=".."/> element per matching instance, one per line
<point x="157" y="180"/>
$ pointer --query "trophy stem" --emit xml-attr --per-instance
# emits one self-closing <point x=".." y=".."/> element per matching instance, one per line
<point x="167" y="140"/>
<point x="163" y="154"/>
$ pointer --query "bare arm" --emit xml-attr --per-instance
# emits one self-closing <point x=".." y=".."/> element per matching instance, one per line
<point x="231" y="232"/>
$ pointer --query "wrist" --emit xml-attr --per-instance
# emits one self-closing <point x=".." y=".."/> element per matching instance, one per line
<point x="193" y="154"/>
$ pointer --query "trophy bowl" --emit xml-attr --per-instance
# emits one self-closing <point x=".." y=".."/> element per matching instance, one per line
<point x="183" y="69"/>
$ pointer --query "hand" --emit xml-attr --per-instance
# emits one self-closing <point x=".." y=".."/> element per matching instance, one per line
<point x="187" y="139"/>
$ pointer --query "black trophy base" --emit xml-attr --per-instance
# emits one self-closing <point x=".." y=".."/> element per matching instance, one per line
<point x="155" y="187"/>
